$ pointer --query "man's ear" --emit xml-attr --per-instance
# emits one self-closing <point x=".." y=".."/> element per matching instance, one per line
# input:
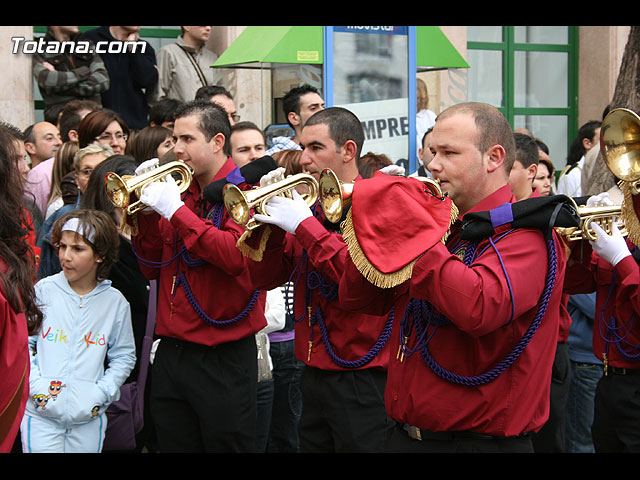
<point x="349" y="151"/>
<point x="294" y="119"/>
<point x="532" y="171"/>
<point x="495" y="157"/>
<point x="73" y="135"/>
<point x="217" y="142"/>
<point x="30" y="147"/>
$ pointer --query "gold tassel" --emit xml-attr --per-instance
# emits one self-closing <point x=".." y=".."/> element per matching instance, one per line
<point x="130" y="229"/>
<point x="629" y="215"/>
<point x="255" y="254"/>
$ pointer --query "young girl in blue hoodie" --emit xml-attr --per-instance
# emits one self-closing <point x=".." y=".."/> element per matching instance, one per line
<point x="85" y="349"/>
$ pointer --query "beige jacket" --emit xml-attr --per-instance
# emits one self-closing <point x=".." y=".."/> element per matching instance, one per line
<point x="178" y="77"/>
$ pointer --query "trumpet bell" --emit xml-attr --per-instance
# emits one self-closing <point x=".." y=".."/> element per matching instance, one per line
<point x="236" y="204"/>
<point x="620" y="144"/>
<point x="333" y="195"/>
<point x="124" y="192"/>
<point x="116" y="188"/>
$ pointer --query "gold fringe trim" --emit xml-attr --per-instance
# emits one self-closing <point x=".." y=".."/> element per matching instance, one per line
<point x="629" y="216"/>
<point x="370" y="272"/>
<point x="255" y="254"/>
<point x="127" y="228"/>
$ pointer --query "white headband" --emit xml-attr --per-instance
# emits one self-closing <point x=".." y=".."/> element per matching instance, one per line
<point x="73" y="225"/>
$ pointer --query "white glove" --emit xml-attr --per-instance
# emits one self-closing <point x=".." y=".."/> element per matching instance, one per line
<point x="285" y="213"/>
<point x="611" y="248"/>
<point x="393" y="170"/>
<point x="144" y="167"/>
<point x="272" y="177"/>
<point x="147" y="165"/>
<point x="163" y="197"/>
<point x="600" y="200"/>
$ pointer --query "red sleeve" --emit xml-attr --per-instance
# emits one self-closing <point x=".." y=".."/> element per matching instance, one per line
<point x="629" y="288"/>
<point x="327" y="251"/>
<point x="277" y="262"/>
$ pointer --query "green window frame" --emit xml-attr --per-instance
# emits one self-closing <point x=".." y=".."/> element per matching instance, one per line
<point x="509" y="49"/>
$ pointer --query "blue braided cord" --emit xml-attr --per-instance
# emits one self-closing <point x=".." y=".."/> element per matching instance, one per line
<point x="419" y="309"/>
<point x="318" y="318"/>
<point x="517" y="350"/>
<point x="617" y="335"/>
<point x="181" y="280"/>
<point x="329" y="290"/>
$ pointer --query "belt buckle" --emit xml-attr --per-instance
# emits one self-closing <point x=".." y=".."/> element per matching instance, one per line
<point x="414" y="432"/>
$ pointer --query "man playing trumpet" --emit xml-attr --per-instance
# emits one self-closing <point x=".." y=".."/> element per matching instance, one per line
<point x="345" y="354"/>
<point x="203" y="394"/>
<point x="477" y="320"/>
<point x="608" y="266"/>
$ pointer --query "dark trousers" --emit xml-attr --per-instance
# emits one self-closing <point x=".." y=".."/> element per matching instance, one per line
<point x="444" y="442"/>
<point x="551" y="437"/>
<point x="287" y="399"/>
<point x="616" y="421"/>
<point x="203" y="399"/>
<point x="265" y="410"/>
<point x="343" y="411"/>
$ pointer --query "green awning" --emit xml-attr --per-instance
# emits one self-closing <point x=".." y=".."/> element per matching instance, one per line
<point x="435" y="51"/>
<point x="260" y="45"/>
<point x="274" y="44"/>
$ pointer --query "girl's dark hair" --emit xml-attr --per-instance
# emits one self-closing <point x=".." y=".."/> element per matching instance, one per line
<point x="95" y="195"/>
<point x="144" y="145"/>
<point x="106" y="240"/>
<point x="96" y="122"/>
<point x="17" y="280"/>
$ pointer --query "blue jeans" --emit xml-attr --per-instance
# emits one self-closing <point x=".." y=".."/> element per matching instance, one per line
<point x="287" y="399"/>
<point x="580" y="405"/>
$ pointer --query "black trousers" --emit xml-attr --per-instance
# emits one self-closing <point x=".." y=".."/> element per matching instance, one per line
<point x="203" y="399"/>
<point x="551" y="437"/>
<point x="343" y="411"/>
<point x="616" y="420"/>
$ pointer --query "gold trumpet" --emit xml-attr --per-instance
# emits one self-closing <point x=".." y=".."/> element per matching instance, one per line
<point x="240" y="204"/>
<point x="603" y="216"/>
<point x="124" y="192"/>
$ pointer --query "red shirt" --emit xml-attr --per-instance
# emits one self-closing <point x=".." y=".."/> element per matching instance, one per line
<point x="220" y="287"/>
<point x="14" y="371"/>
<point x="476" y="299"/>
<point x="352" y="337"/>
<point x="617" y="304"/>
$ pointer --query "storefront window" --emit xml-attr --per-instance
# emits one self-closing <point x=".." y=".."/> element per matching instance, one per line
<point x="370" y="78"/>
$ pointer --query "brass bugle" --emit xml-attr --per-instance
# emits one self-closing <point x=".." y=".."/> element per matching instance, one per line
<point x="241" y="205"/>
<point x="125" y="191"/>
<point x="620" y="146"/>
<point x="334" y="194"/>
<point x="603" y="216"/>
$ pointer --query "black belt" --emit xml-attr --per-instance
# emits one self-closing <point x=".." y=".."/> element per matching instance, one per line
<point x="624" y="371"/>
<point x="419" y="434"/>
